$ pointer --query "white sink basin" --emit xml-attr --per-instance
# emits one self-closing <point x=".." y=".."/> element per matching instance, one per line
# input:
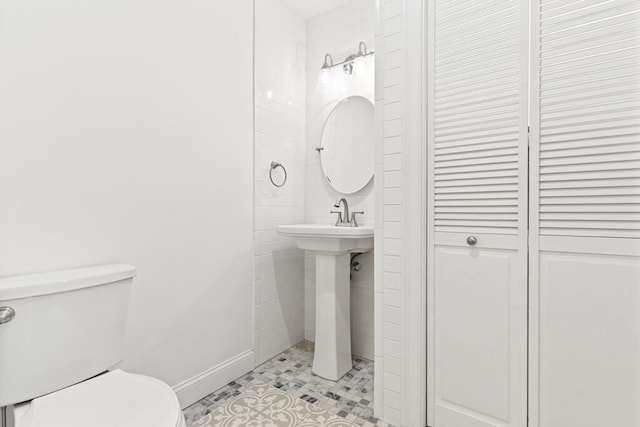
<point x="331" y="247"/>
<point x="329" y="238"/>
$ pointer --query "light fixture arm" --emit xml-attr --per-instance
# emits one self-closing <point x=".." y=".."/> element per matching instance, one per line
<point x="328" y="61"/>
<point x="362" y="52"/>
<point x="362" y="49"/>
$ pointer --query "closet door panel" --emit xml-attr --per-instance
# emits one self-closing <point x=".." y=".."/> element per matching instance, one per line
<point x="477" y="296"/>
<point x="478" y="188"/>
<point x="589" y="340"/>
<point x="585" y="214"/>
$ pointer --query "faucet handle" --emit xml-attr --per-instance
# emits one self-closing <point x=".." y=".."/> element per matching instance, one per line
<point x="354" y="221"/>
<point x="339" y="221"/>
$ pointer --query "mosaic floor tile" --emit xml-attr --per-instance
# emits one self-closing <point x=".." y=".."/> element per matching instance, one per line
<point x="324" y="419"/>
<point x="349" y="400"/>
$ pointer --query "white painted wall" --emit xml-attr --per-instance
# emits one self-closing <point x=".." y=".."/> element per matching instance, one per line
<point x="307" y="9"/>
<point x="126" y="136"/>
<point x="338" y="32"/>
<point x="279" y="136"/>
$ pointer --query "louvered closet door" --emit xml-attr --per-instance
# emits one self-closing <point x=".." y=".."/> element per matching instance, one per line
<point x="478" y="204"/>
<point x="585" y="211"/>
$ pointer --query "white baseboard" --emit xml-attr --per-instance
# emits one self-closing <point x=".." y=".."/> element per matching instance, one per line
<point x="197" y="387"/>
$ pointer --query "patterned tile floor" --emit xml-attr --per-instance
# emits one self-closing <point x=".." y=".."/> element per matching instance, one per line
<point x="350" y="398"/>
<point x="266" y="406"/>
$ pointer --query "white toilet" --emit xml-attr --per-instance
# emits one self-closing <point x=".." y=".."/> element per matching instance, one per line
<point x="61" y="334"/>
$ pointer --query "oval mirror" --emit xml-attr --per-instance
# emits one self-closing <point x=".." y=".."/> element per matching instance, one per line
<point x="347" y="146"/>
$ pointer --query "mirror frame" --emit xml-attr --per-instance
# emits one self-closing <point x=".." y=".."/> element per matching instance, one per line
<point x="320" y="148"/>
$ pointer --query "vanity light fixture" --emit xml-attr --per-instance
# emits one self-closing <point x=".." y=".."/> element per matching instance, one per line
<point x="353" y="63"/>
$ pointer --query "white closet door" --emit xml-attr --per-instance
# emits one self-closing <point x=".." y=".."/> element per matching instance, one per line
<point x="478" y="190"/>
<point x="585" y="214"/>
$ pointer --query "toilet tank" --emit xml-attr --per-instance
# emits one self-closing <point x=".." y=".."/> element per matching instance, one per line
<point x="68" y="326"/>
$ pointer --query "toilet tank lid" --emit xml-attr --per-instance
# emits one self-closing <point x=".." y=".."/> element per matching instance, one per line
<point x="31" y="285"/>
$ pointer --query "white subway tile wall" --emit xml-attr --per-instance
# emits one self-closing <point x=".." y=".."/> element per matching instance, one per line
<point x="279" y="136"/>
<point x="339" y="32"/>
<point x="288" y="129"/>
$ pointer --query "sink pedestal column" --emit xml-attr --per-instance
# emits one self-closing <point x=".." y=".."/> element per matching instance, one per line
<point x="331" y="247"/>
<point x="332" y="357"/>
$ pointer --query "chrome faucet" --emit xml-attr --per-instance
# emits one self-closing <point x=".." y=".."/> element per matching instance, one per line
<point x="344" y="220"/>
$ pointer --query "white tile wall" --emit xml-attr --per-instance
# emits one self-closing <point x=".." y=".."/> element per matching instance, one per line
<point x="339" y="32"/>
<point x="390" y="203"/>
<point x="280" y="136"/>
<point x="288" y="129"/>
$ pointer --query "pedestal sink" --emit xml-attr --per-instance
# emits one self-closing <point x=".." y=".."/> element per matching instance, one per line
<point x="331" y="246"/>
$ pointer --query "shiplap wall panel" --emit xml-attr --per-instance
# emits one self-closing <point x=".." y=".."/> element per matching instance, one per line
<point x="391" y="64"/>
<point x="589" y="110"/>
<point x="477" y="116"/>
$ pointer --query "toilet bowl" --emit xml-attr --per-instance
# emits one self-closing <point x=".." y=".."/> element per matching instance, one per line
<point x="113" y="399"/>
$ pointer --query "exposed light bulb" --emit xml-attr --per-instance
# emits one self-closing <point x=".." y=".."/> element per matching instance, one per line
<point x="360" y="66"/>
<point x="324" y="76"/>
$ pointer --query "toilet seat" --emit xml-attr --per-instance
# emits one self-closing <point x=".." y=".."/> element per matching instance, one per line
<point x="114" y="399"/>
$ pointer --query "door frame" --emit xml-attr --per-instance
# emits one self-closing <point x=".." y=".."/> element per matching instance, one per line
<point x="414" y="387"/>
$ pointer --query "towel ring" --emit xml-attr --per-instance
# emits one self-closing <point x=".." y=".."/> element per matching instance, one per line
<point x="275" y="165"/>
